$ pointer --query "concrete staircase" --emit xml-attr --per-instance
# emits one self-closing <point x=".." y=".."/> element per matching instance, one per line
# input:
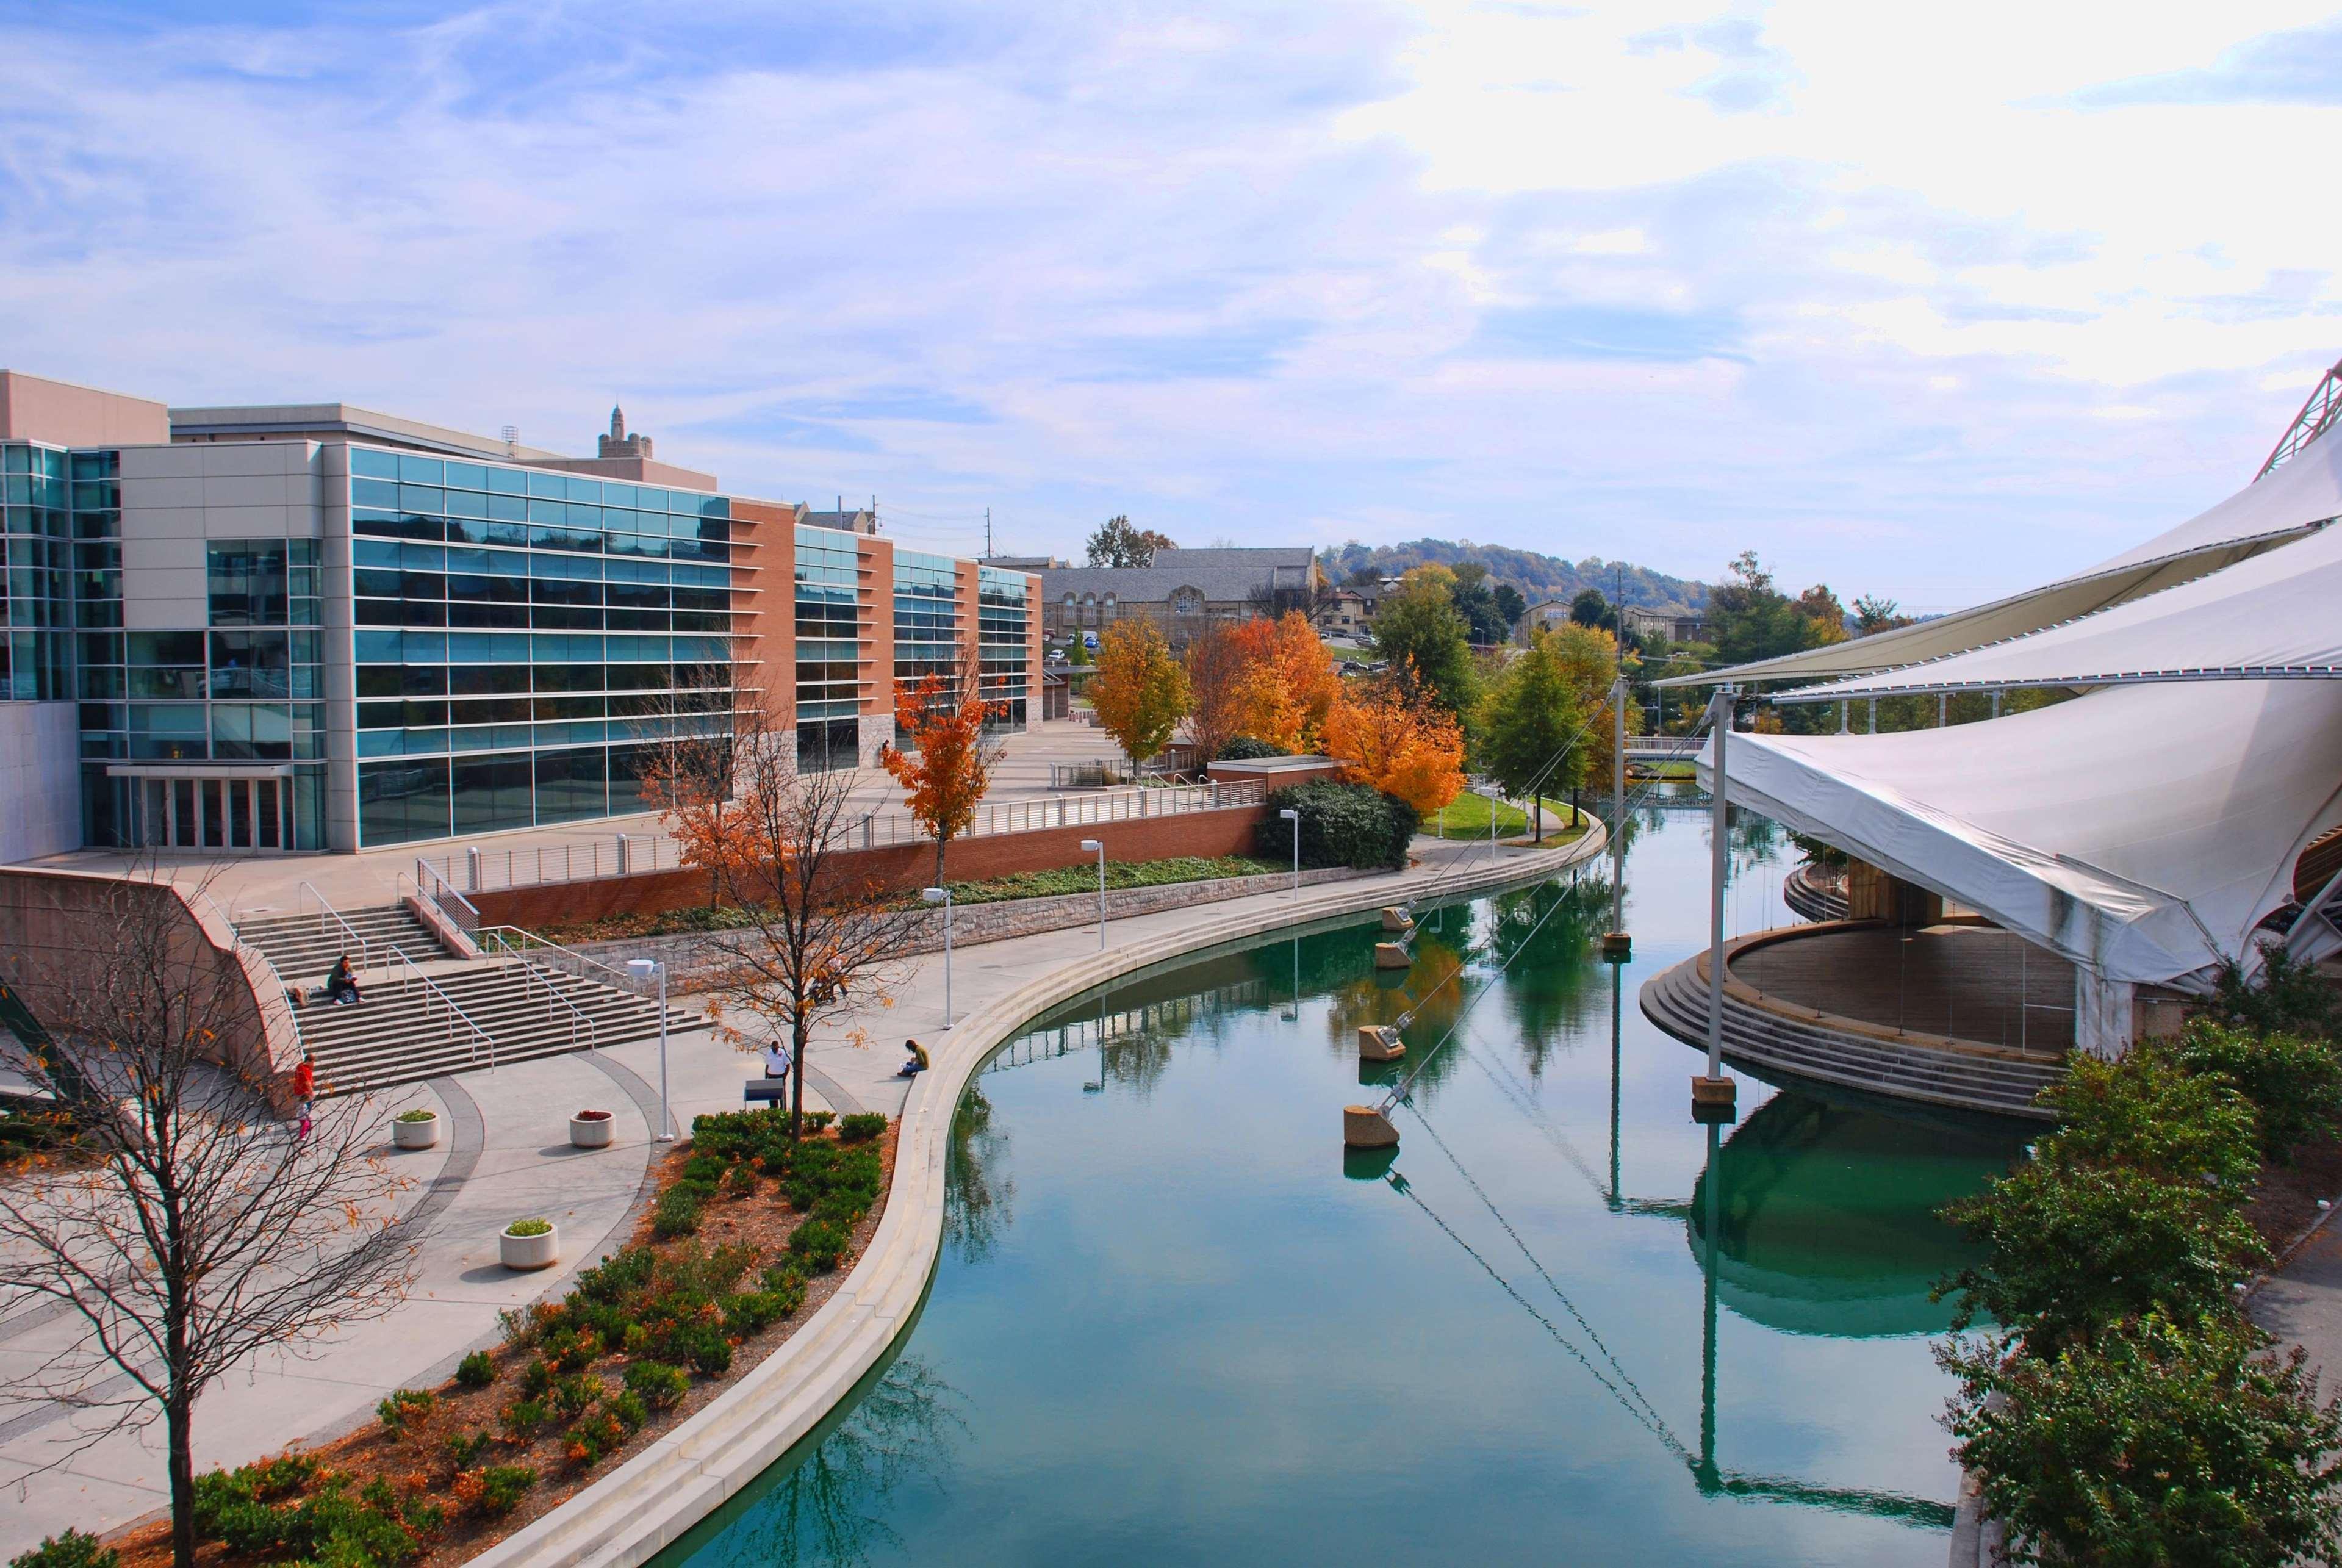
<point x="303" y="947"/>
<point x="2002" y="1082"/>
<point x="502" y="1011"/>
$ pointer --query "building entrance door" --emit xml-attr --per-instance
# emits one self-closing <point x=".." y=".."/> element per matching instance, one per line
<point x="212" y="813"/>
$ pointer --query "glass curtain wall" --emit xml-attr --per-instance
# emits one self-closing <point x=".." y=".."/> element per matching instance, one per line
<point x="36" y="586"/>
<point x="521" y="636"/>
<point x="1001" y="647"/>
<point x="829" y="674"/>
<point x="926" y="621"/>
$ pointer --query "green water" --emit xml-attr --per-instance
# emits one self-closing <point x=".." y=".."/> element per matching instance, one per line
<point x="1172" y="1323"/>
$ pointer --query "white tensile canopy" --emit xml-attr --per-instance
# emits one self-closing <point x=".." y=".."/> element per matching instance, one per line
<point x="2141" y="831"/>
<point x="2271" y="618"/>
<point x="2303" y="493"/>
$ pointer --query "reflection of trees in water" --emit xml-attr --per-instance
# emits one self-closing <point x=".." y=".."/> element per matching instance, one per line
<point x="1137" y="1061"/>
<point x="1549" y="991"/>
<point x="1447" y="941"/>
<point x="978" y="1192"/>
<point x="827" y="1509"/>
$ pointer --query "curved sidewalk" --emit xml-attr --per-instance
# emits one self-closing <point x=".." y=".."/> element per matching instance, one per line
<point x="627" y="1516"/>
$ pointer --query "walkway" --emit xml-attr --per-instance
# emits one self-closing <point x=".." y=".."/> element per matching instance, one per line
<point x="508" y="1158"/>
<point x="2301" y="1304"/>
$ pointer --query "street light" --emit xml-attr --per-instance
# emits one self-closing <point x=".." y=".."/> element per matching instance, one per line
<point x="943" y="895"/>
<point x="1294" y="817"/>
<point x="642" y="970"/>
<point x="1098" y="846"/>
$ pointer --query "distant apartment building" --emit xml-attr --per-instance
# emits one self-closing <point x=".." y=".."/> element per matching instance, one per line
<point x="1650" y="625"/>
<point x="1182" y="591"/>
<point x="287" y="628"/>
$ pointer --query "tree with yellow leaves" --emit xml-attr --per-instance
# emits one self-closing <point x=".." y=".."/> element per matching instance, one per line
<point x="1140" y="691"/>
<point x="1396" y="736"/>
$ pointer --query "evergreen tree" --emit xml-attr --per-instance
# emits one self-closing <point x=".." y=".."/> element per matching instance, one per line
<point x="1530" y="714"/>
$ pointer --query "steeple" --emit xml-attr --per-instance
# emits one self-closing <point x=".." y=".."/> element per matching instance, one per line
<point x="617" y="423"/>
<point x="617" y="443"/>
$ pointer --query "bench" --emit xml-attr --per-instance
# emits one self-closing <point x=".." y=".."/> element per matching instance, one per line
<point x="771" y="1090"/>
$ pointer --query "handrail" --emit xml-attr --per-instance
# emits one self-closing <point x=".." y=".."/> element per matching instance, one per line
<point x="504" y="937"/>
<point x="455" y="1008"/>
<point x="578" y="1018"/>
<point x="366" y="948"/>
<point x="286" y="995"/>
<point x="446" y="890"/>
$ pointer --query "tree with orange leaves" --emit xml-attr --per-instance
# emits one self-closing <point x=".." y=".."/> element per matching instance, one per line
<point x="950" y="768"/>
<point x="1396" y="738"/>
<point x="818" y="938"/>
<point x="1217" y="662"/>
<point x="1291" y="688"/>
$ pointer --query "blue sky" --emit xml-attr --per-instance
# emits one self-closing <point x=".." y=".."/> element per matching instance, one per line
<point x="1915" y="303"/>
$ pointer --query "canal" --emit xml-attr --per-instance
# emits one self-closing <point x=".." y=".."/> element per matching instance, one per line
<point x="1172" y="1321"/>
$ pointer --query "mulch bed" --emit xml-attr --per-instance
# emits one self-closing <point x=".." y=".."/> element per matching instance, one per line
<point x="417" y="1463"/>
<point x="2286" y="1201"/>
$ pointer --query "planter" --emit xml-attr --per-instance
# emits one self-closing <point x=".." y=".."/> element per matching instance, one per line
<point x="592" y="1129"/>
<point x="422" y="1132"/>
<point x="540" y="1251"/>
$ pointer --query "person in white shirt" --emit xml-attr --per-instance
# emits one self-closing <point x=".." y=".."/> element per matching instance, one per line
<point x="777" y="1061"/>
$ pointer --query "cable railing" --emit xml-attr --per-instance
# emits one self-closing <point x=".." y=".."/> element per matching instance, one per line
<point x="448" y="879"/>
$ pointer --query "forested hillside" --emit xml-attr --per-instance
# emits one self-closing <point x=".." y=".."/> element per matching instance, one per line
<point x="1538" y="575"/>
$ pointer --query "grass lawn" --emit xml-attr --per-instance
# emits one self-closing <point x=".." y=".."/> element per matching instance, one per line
<point x="1467" y="818"/>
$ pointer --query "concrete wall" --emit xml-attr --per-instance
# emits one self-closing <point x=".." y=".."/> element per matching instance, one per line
<point x="905" y="867"/>
<point x="52" y="939"/>
<point x="40" y="779"/>
<point x="34" y="408"/>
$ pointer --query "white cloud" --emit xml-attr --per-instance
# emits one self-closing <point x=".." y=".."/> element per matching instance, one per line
<point x="1868" y="289"/>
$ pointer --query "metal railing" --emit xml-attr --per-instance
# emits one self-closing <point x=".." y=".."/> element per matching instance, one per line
<point x="287" y="999"/>
<point x="452" y="1009"/>
<point x="514" y="941"/>
<point x="630" y="854"/>
<point x="434" y="890"/>
<point x="330" y="918"/>
<point x="517" y="957"/>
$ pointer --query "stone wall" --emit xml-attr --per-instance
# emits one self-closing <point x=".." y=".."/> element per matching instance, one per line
<point x="902" y="867"/>
<point x="689" y="957"/>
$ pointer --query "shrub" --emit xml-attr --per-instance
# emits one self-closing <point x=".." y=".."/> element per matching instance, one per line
<point x="819" y="1120"/>
<point x="572" y="1350"/>
<point x="1341" y="825"/>
<point x="819" y="1243"/>
<point x="573" y="1395"/>
<point x="417" y="1114"/>
<point x="786" y="1282"/>
<point x="593" y="1437"/>
<point x="748" y="1312"/>
<point x="703" y="1170"/>
<point x="740" y="1180"/>
<point x="503" y="1485"/>
<point x="478" y="1370"/>
<point x="2147" y="1112"/>
<point x="657" y="1383"/>
<point x="1247" y="749"/>
<point x="2287" y="996"/>
<point x="2076" y="1247"/>
<point x="528" y="1227"/>
<point x="466" y="1447"/>
<point x="862" y="1126"/>
<point x="405" y="1405"/>
<point x="627" y="1406"/>
<point x="2293" y="1082"/>
<point x="677" y="1213"/>
<point x="620" y="1275"/>
<point x="2154" y="1442"/>
<point x="524" y="1418"/>
<point x="702" y="1345"/>
<point x="536" y="1377"/>
<point x="71" y="1550"/>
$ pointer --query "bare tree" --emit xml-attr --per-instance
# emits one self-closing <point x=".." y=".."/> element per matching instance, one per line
<point x="821" y="932"/>
<point x="190" y="1227"/>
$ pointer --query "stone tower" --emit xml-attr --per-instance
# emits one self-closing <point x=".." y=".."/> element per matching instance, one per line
<point x="618" y="444"/>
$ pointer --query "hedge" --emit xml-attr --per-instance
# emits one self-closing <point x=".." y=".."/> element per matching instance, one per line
<point x="1341" y="825"/>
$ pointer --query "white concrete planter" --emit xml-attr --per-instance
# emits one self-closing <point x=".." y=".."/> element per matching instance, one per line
<point x="424" y="1134"/>
<point x="592" y="1129"/>
<point x="529" y="1251"/>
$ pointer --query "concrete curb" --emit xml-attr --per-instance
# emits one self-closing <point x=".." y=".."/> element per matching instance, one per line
<point x="648" y="1503"/>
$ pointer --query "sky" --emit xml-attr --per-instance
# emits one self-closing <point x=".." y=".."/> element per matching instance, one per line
<point x="1933" y="305"/>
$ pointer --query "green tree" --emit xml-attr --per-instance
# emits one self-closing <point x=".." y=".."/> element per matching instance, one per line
<point x="2155" y="1443"/>
<point x="1418" y="623"/>
<point x="1511" y="603"/>
<point x="1118" y="544"/>
<point x="1531" y="714"/>
<point x="1591" y="607"/>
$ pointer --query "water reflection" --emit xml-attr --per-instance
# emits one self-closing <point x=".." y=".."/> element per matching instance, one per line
<point x="1827" y="1222"/>
<point x="979" y="1192"/>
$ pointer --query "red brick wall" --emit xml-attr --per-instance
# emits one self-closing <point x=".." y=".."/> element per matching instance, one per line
<point x="1228" y="831"/>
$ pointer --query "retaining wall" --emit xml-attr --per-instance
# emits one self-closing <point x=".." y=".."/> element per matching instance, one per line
<point x="901" y="866"/>
<point x="649" y="1501"/>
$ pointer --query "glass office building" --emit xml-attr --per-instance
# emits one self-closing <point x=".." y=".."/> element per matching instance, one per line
<point x="305" y="627"/>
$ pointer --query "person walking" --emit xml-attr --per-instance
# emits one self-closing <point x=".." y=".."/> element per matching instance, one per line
<point x="305" y="1090"/>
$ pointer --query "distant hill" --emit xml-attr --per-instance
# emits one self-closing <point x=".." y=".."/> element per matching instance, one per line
<point x="1539" y="576"/>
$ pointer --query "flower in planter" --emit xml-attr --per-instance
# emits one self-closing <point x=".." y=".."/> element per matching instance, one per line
<point x="593" y="1116"/>
<point x="419" y="1115"/>
<point x="528" y="1227"/>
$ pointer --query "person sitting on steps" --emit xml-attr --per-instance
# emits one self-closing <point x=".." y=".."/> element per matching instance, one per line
<point x="342" y="984"/>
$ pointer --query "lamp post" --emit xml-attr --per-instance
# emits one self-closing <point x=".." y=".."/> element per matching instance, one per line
<point x="1294" y="817"/>
<point x="1098" y="846"/>
<point x="943" y="895"/>
<point x="642" y="969"/>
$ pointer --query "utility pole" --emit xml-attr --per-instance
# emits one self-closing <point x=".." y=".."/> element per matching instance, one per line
<point x="1712" y="1093"/>
<point x="987" y="531"/>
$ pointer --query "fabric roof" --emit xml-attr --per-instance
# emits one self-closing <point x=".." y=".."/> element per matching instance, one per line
<point x="2142" y="831"/>
<point x="2269" y="618"/>
<point x="2301" y="494"/>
